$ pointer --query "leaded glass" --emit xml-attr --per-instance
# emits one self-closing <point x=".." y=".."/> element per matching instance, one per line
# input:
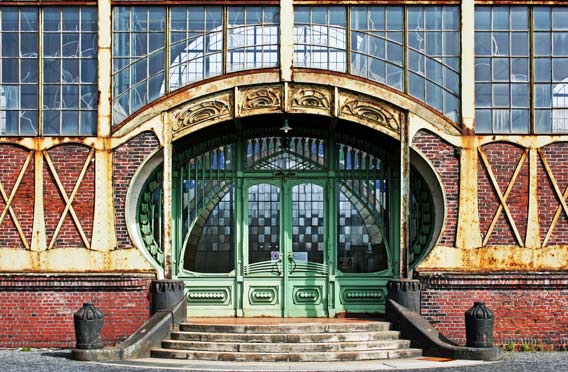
<point x="360" y="246"/>
<point x="308" y="226"/>
<point x="285" y="153"/>
<point x="263" y="222"/>
<point x="210" y="247"/>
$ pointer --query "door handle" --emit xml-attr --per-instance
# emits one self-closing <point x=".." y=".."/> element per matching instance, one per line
<point x="292" y="262"/>
<point x="278" y="272"/>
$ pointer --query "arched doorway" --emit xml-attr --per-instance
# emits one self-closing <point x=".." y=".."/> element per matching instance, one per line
<point x="303" y="223"/>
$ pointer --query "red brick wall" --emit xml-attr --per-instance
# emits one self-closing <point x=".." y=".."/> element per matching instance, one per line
<point x="126" y="161"/>
<point x="441" y="155"/>
<point x="12" y="160"/>
<point x="68" y="161"/>
<point x="503" y="159"/>
<point x="557" y="157"/>
<point x="529" y="308"/>
<point x="37" y="311"/>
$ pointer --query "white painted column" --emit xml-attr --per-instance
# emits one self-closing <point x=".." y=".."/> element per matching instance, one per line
<point x="468" y="65"/>
<point x="532" y="238"/>
<point x="39" y="240"/>
<point x="167" y="216"/>
<point x="104" y="233"/>
<point x="468" y="231"/>
<point x="286" y="39"/>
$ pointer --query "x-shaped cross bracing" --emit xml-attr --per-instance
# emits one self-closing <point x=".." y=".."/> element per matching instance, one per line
<point x="561" y="198"/>
<point x="503" y="197"/>
<point x="69" y="198"/>
<point x="9" y="199"/>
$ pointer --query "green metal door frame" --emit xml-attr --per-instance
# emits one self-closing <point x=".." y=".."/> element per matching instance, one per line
<point x="363" y="171"/>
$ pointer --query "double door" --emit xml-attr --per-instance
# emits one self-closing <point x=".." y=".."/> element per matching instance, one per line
<point x="284" y="248"/>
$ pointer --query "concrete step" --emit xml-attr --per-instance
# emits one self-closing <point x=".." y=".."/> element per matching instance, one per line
<point x="285" y="338"/>
<point x="288" y="328"/>
<point x="264" y="347"/>
<point x="286" y="357"/>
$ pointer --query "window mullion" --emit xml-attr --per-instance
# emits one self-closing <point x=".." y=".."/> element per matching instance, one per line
<point x="532" y="127"/>
<point x="40" y="73"/>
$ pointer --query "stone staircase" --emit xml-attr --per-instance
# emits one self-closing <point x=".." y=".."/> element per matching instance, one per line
<point x="274" y="341"/>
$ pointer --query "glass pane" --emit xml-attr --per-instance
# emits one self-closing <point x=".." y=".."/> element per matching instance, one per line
<point x="483" y="121"/>
<point x="210" y="248"/>
<point x="361" y="247"/>
<point x="308" y="223"/>
<point x="263" y="222"/>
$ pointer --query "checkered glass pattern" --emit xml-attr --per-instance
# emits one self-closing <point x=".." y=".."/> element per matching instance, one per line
<point x="263" y="221"/>
<point x="308" y="220"/>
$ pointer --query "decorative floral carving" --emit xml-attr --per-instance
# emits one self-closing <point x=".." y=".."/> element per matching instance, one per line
<point x="372" y="112"/>
<point x="262" y="99"/>
<point x="215" y="109"/>
<point x="310" y="98"/>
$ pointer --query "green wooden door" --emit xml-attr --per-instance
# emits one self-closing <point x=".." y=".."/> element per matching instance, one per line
<point x="285" y="248"/>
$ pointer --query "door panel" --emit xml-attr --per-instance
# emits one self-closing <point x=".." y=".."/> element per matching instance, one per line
<point x="285" y="270"/>
<point x="306" y="291"/>
<point x="263" y="264"/>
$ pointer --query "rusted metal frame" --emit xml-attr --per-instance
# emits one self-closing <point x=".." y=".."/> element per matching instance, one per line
<point x="531" y="72"/>
<point x="348" y="41"/>
<point x="286" y="40"/>
<point x="225" y="41"/>
<point x="38" y="242"/>
<point x="377" y="2"/>
<point x="194" y="2"/>
<point x="519" y="2"/>
<point x="404" y="200"/>
<point x="503" y="199"/>
<point x="167" y="50"/>
<point x="467" y="63"/>
<point x="69" y="199"/>
<point x="48" y="3"/>
<point x="561" y="197"/>
<point x="9" y="199"/>
<point x="406" y="52"/>
<point x="39" y="73"/>
<point x="167" y="208"/>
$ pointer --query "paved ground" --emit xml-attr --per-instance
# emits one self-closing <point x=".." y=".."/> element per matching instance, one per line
<point x="58" y="361"/>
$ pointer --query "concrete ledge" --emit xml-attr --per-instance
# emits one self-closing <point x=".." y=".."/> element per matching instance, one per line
<point x="423" y="335"/>
<point x="138" y="345"/>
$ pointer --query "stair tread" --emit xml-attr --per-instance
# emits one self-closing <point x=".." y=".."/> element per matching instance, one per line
<point x="280" y="353"/>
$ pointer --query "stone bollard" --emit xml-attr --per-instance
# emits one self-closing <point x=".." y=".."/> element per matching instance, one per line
<point x="405" y="292"/>
<point x="165" y="294"/>
<point x="479" y="321"/>
<point x="88" y="326"/>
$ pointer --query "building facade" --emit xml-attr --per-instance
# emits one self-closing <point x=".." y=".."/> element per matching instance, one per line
<point x="283" y="158"/>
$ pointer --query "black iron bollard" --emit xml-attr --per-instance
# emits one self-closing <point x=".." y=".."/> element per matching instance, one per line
<point x="88" y="326"/>
<point x="479" y="321"/>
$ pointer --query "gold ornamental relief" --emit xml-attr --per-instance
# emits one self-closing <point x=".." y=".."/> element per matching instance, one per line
<point x="371" y="111"/>
<point x="211" y="109"/>
<point x="257" y="100"/>
<point x="307" y="99"/>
